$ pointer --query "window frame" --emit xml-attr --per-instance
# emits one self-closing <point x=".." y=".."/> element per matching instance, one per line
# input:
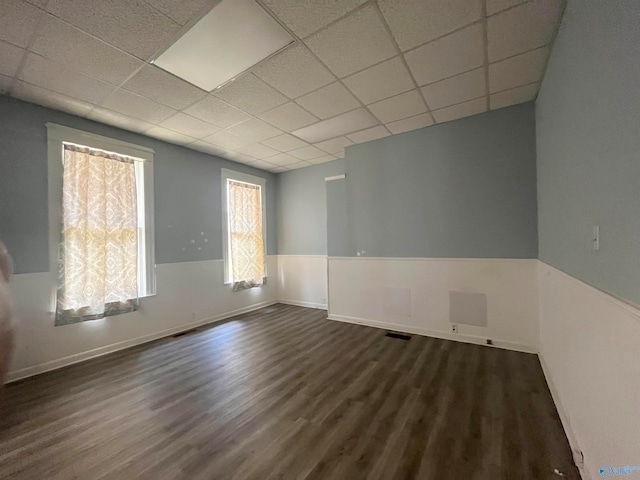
<point x="57" y="135"/>
<point x="233" y="175"/>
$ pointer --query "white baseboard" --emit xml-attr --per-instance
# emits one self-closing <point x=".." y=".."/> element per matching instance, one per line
<point x="366" y="289"/>
<point x="302" y="280"/>
<point x="456" y="337"/>
<point x="564" y="419"/>
<point x="321" y="306"/>
<point x="98" y="352"/>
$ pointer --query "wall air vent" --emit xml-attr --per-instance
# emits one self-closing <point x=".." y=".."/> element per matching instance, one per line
<point x="468" y="308"/>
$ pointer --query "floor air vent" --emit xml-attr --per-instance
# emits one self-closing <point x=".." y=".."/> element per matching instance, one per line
<point x="186" y="332"/>
<point x="399" y="336"/>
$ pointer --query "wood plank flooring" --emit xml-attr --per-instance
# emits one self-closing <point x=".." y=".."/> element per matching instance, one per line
<point x="284" y="393"/>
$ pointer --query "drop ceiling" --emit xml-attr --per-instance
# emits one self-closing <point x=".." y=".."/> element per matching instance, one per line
<point x="358" y="70"/>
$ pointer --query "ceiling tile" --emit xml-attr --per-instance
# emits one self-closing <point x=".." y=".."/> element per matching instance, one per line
<point x="282" y="159"/>
<point x="495" y="6"/>
<point x="411" y="123"/>
<point x="162" y="87"/>
<point x="47" y="98"/>
<point x="205" y="147"/>
<point x="257" y="150"/>
<point x="516" y="71"/>
<point x="132" y="25"/>
<point x="57" y="77"/>
<point x="18" y="21"/>
<point x="323" y="159"/>
<point x="183" y="11"/>
<point x="10" y="58"/>
<point x="38" y="3"/>
<point x="414" y="22"/>
<point x="213" y="110"/>
<point x="381" y="81"/>
<point x="305" y="17"/>
<point x="226" y="140"/>
<point x="531" y="25"/>
<point x="282" y="169"/>
<point x="254" y="129"/>
<point x="61" y="42"/>
<point x="262" y="165"/>
<point x="307" y="153"/>
<point x="398" y="107"/>
<point x="448" y="56"/>
<point x="116" y="119"/>
<point x="294" y="72"/>
<point x="339" y="154"/>
<point x="188" y="125"/>
<point x="458" y="89"/>
<point x="170" y="136"/>
<point x="334" y="145"/>
<point x="240" y="157"/>
<point x="5" y="83"/>
<point x="250" y="94"/>
<point x="339" y="125"/>
<point x="369" y="134"/>
<point x="284" y="142"/>
<point x="466" y="109"/>
<point x="136" y="106"/>
<point x="329" y="101"/>
<point x="295" y="166"/>
<point x="289" y="117"/>
<point x="355" y="42"/>
<point x="514" y="96"/>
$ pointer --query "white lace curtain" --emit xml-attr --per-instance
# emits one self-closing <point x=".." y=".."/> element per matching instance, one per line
<point x="246" y="239"/>
<point x="98" y="269"/>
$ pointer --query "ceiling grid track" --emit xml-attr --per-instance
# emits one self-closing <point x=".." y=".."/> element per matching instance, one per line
<point x="404" y="62"/>
<point x="406" y="66"/>
<point x="486" y="53"/>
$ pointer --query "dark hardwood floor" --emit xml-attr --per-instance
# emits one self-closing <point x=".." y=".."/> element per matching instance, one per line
<point x="285" y="393"/>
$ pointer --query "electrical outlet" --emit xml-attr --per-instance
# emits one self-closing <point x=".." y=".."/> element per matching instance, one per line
<point x="454" y="328"/>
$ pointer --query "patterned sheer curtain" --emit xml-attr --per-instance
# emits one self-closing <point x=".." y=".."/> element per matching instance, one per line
<point x="98" y="267"/>
<point x="246" y="241"/>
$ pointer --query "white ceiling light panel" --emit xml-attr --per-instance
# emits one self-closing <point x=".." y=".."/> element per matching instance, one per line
<point x="230" y="39"/>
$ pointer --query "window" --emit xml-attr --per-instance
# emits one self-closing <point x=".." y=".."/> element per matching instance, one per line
<point x="243" y="200"/>
<point x="101" y="224"/>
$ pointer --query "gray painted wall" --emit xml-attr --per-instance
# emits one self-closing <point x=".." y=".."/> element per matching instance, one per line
<point x="466" y="188"/>
<point x="302" y="209"/>
<point x="588" y="141"/>
<point x="338" y="222"/>
<point x="187" y="190"/>
<point x="461" y="189"/>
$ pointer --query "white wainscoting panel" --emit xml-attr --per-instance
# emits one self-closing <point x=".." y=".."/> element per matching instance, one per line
<point x="190" y="294"/>
<point x="590" y="352"/>
<point x="357" y="287"/>
<point x="302" y="280"/>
